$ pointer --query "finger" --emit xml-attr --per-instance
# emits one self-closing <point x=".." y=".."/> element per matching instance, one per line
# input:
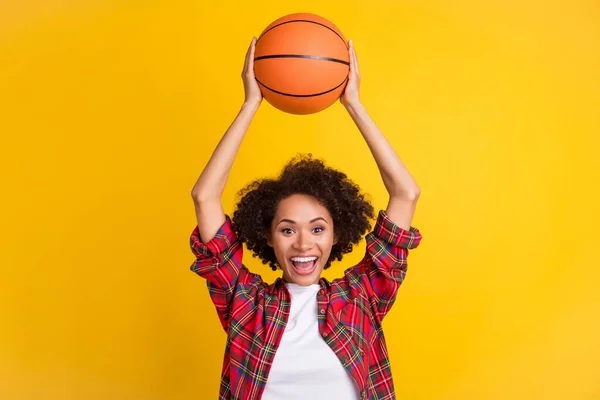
<point x="352" y="59"/>
<point x="355" y="60"/>
<point x="248" y="54"/>
<point x="351" y="64"/>
<point x="251" y="58"/>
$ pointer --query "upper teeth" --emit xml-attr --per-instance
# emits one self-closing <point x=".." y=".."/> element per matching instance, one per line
<point x="303" y="259"/>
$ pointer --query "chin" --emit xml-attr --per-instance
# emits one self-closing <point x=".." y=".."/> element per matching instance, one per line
<point x="306" y="281"/>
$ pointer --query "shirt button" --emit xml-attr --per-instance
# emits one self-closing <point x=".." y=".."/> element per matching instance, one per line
<point x="322" y="311"/>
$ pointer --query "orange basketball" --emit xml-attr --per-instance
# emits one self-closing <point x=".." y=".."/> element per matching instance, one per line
<point x="301" y="63"/>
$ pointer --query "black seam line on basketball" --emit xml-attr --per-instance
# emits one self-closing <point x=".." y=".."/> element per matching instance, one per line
<point x="302" y="20"/>
<point x="302" y="56"/>
<point x="301" y="95"/>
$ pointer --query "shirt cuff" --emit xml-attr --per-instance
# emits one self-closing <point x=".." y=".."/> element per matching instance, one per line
<point x="386" y="230"/>
<point x="223" y="239"/>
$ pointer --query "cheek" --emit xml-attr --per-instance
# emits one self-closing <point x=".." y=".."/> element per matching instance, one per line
<point x="280" y="246"/>
<point x="326" y="242"/>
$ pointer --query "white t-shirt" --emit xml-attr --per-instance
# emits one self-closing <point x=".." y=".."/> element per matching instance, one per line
<point x="304" y="366"/>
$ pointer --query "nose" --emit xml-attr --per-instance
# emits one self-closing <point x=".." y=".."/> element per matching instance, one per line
<point x="303" y="242"/>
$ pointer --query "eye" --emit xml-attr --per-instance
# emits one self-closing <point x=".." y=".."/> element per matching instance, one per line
<point x="287" y="231"/>
<point x="318" y="229"/>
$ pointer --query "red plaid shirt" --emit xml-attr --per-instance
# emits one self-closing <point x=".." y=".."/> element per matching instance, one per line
<point x="254" y="314"/>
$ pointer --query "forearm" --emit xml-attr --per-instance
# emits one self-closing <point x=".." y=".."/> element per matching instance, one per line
<point x="209" y="188"/>
<point x="212" y="180"/>
<point x="396" y="178"/>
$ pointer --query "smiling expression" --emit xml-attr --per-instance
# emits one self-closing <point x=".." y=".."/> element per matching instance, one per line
<point x="301" y="236"/>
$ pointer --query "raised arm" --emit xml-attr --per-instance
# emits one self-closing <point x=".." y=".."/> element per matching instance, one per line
<point x="402" y="188"/>
<point x="210" y="185"/>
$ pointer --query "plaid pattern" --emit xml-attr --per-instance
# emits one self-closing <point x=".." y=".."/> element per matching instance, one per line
<point x="254" y="314"/>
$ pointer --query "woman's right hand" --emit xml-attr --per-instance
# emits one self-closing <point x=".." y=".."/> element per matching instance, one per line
<point x="253" y="94"/>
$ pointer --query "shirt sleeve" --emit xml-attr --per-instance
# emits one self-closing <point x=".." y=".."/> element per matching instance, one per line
<point x="220" y="262"/>
<point x="383" y="269"/>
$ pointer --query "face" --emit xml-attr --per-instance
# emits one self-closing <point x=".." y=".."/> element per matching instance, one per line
<point x="302" y="236"/>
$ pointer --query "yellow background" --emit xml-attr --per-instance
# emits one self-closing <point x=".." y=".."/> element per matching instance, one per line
<point x="110" y="109"/>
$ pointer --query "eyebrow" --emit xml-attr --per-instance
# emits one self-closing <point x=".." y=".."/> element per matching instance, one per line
<point x="311" y="221"/>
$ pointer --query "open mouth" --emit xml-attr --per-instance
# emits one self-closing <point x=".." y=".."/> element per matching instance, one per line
<point x="304" y="265"/>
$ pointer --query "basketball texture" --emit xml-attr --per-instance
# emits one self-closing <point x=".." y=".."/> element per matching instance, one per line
<point x="301" y="63"/>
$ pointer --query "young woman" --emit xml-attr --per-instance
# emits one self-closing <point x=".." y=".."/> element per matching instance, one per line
<point x="303" y="337"/>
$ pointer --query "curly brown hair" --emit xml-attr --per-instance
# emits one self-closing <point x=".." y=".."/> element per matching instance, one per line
<point x="258" y="201"/>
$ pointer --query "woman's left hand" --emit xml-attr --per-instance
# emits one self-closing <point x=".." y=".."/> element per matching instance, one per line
<point x="351" y="92"/>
